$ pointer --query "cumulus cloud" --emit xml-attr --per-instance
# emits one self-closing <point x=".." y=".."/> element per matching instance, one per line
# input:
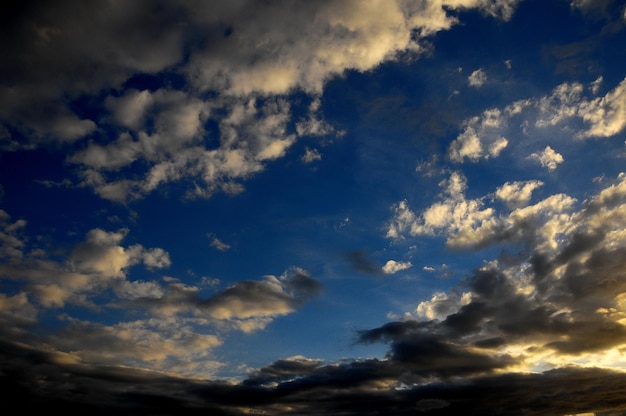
<point x="393" y="266"/>
<point x="517" y="194"/>
<point x="311" y="155"/>
<point x="603" y="116"/>
<point x="101" y="254"/>
<point x="561" y="302"/>
<point x="567" y="112"/>
<point x="481" y="138"/>
<point x="457" y="217"/>
<point x="548" y="158"/>
<point x="477" y="78"/>
<point x="606" y="116"/>
<point x="468" y="223"/>
<point x="225" y="67"/>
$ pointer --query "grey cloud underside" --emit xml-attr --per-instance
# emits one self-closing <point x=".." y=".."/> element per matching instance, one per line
<point x="312" y="388"/>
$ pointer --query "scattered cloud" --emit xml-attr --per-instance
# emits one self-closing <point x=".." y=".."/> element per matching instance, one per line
<point x="548" y="158"/>
<point x="311" y="155"/>
<point x="362" y="263"/>
<point x="467" y="223"/>
<point x="517" y="194"/>
<point x="481" y="138"/>
<point x="191" y="99"/>
<point x="218" y="244"/>
<point x="392" y="266"/>
<point x="477" y="78"/>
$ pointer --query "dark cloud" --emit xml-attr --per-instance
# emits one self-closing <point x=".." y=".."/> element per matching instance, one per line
<point x="360" y="262"/>
<point x="33" y="380"/>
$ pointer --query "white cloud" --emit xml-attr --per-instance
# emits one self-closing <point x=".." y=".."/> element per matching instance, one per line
<point x="605" y="115"/>
<point x="311" y="155"/>
<point x="442" y="304"/>
<point x="517" y="194"/>
<point x="548" y="158"/>
<point x="477" y="78"/>
<point x="462" y="220"/>
<point x="481" y="138"/>
<point x="263" y="51"/>
<point x="467" y="223"/>
<point x="393" y="266"/>
<point x="219" y="244"/>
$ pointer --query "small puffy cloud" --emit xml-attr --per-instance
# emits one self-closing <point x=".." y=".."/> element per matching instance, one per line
<point x="101" y="254"/>
<point x="218" y="244"/>
<point x="311" y="155"/>
<point x="481" y="138"/>
<point x="517" y="194"/>
<point x="11" y="243"/>
<point x="314" y="125"/>
<point x="477" y="78"/>
<point x="463" y="221"/>
<point x="605" y="115"/>
<point x="442" y="304"/>
<point x="548" y="158"/>
<point x="393" y="266"/>
<point x="155" y="258"/>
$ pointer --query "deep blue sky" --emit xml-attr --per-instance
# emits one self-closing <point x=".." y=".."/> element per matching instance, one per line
<point x="313" y="208"/>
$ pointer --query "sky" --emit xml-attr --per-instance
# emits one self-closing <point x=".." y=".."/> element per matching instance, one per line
<point x="332" y="207"/>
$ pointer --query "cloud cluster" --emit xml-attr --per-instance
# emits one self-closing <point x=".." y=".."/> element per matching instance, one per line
<point x="485" y="136"/>
<point x="173" y="326"/>
<point x="561" y="301"/>
<point x="468" y="223"/>
<point x="185" y="91"/>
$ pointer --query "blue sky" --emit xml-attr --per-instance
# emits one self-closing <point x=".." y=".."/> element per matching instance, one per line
<point x="314" y="208"/>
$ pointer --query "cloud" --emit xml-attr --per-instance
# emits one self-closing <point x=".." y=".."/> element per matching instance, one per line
<point x="548" y="158"/>
<point x="392" y="266"/>
<point x="481" y="138"/>
<point x="219" y="244"/>
<point x="246" y="305"/>
<point x="11" y="243"/>
<point x="555" y="305"/>
<point x="101" y="254"/>
<point x="561" y="302"/>
<point x="517" y="194"/>
<point x="360" y="262"/>
<point x="605" y="115"/>
<point x="179" y="326"/>
<point x="467" y="223"/>
<point x="311" y="155"/>
<point x="477" y="78"/>
<point x="565" y="113"/>
<point x="226" y="72"/>
<point x="461" y="219"/>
